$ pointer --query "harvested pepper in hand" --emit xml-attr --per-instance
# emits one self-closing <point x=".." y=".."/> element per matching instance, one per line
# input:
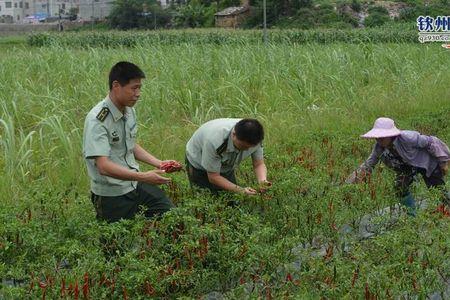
<point x="171" y="166"/>
<point x="264" y="186"/>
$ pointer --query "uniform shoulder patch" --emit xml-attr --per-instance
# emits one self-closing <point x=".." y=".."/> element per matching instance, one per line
<point x="221" y="149"/>
<point x="103" y="114"/>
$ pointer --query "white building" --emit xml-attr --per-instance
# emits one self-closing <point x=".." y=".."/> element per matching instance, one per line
<point x="17" y="11"/>
<point x="13" y="11"/>
<point x="95" y="9"/>
<point x="166" y="3"/>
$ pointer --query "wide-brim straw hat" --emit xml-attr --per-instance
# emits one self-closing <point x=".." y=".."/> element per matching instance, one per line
<point x="382" y="128"/>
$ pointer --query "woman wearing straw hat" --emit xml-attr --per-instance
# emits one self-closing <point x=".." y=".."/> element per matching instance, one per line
<point x="408" y="153"/>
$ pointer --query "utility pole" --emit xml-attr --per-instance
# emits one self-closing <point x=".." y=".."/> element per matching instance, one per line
<point x="23" y="12"/>
<point x="265" y="22"/>
<point x="92" y="15"/>
<point x="154" y="17"/>
<point x="59" y="18"/>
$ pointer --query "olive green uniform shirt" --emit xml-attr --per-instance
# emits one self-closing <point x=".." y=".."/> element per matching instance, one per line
<point x="211" y="148"/>
<point x="108" y="132"/>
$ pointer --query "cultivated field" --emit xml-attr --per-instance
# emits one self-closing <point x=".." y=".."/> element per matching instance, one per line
<point x="300" y="240"/>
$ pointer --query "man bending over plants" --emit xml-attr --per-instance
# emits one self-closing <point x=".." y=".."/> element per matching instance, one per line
<point x="408" y="153"/>
<point x="218" y="147"/>
<point x="118" y="187"/>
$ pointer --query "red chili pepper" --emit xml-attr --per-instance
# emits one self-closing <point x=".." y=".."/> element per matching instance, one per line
<point x="355" y="276"/>
<point x="177" y="264"/>
<point x="442" y="209"/>
<point x="50" y="280"/>
<point x="319" y="218"/>
<point x="255" y="277"/>
<point x="367" y="294"/>
<point x="102" y="280"/>
<point x="149" y="242"/>
<point x="76" y="291"/>
<point x="200" y="217"/>
<point x="244" y="250"/>
<point x="149" y="289"/>
<point x="174" y="236"/>
<point x="200" y="254"/>
<point x="329" y="252"/>
<point x="31" y="285"/>
<point x="124" y="292"/>
<point x="113" y="286"/>
<point x="289" y="277"/>
<point x="189" y="257"/>
<point x="169" y="270"/>
<point x="32" y="282"/>
<point x="334" y="227"/>
<point x="43" y="286"/>
<point x="330" y="206"/>
<point x="171" y="166"/>
<point x="63" y="287"/>
<point x="144" y="231"/>
<point x="328" y="280"/>
<point x="388" y="294"/>
<point x="204" y="243"/>
<point x="173" y="283"/>
<point x="268" y="293"/>
<point x="414" y="283"/>
<point x="86" y="286"/>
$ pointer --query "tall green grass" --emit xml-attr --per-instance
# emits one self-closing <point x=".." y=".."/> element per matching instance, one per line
<point x="222" y="37"/>
<point x="337" y="88"/>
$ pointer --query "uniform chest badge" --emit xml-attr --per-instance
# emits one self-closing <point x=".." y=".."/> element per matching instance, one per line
<point x="115" y="136"/>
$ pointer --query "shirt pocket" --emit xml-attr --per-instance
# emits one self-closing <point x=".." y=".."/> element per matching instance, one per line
<point x="229" y="160"/>
<point x="131" y="137"/>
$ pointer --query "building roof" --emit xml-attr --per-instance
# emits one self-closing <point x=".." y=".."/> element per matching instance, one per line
<point x="230" y="11"/>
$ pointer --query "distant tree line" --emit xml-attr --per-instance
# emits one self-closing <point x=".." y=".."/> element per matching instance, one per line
<point x="303" y="14"/>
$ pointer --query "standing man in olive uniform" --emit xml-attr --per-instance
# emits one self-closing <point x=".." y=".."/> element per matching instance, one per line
<point x="218" y="147"/>
<point x="118" y="188"/>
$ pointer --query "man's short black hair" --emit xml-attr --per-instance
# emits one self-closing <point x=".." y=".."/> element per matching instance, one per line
<point x="250" y="131"/>
<point x="123" y="72"/>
